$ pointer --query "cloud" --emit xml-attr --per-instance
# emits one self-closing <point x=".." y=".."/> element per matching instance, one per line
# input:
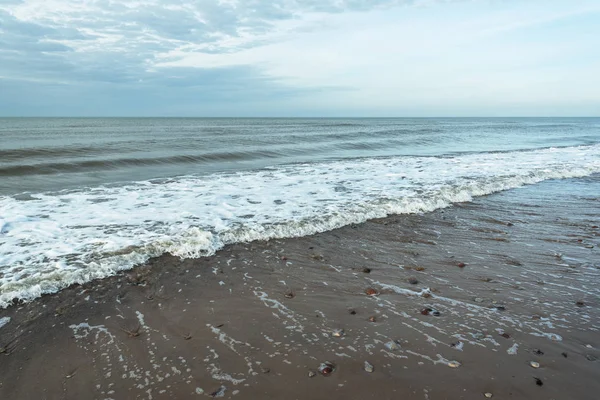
<point x="246" y="57"/>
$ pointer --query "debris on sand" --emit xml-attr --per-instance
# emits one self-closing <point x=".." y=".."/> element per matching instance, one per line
<point x="326" y="368"/>
<point x="430" y="311"/>
<point x="538" y="382"/>
<point x="372" y="319"/>
<point x="392" y="345"/>
<point x="537" y="352"/>
<point x="371" y="292"/>
<point x="289" y="294"/>
<point x="591" y="357"/>
<point x="369" y="367"/>
<point x="352" y="311"/>
<point x="580" y="303"/>
<point x="461" y="265"/>
<point x="338" y="333"/>
<point x="220" y="392"/>
<point x="366" y="270"/>
<point x="564" y="354"/>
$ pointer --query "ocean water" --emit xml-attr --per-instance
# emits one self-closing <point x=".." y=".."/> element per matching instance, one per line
<point x="85" y="198"/>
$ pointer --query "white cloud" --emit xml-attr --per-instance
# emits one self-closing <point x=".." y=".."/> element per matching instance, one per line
<point x="362" y="55"/>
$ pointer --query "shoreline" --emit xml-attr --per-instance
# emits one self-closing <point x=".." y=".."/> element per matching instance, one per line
<point x="512" y="275"/>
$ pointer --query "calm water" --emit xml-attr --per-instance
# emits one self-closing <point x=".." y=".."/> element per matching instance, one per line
<point x="84" y="198"/>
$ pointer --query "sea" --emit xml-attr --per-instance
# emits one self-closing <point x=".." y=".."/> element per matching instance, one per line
<point x="86" y="198"/>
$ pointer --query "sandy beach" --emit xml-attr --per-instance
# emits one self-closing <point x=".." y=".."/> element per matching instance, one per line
<point x="498" y="297"/>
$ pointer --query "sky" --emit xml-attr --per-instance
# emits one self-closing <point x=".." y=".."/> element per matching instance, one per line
<point x="299" y="58"/>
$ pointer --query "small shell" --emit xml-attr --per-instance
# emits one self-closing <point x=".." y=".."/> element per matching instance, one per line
<point x="454" y="364"/>
<point x="488" y="395"/>
<point x="311" y="374"/>
<point x="534" y="364"/>
<point x="369" y="367"/>
<point x="338" y="333"/>
<point x="372" y="319"/>
<point x="371" y="292"/>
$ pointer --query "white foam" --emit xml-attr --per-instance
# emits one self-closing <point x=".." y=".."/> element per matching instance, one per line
<point x="58" y="239"/>
<point x="4" y="321"/>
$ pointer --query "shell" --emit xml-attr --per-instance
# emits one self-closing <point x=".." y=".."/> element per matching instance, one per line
<point x="369" y="367"/>
<point x="488" y="395"/>
<point x="534" y="364"/>
<point x="338" y="333"/>
<point x="454" y="364"/>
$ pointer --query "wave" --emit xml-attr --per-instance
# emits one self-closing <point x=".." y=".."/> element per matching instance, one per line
<point x="52" y="240"/>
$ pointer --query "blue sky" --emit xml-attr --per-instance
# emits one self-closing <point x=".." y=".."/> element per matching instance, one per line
<point x="299" y="58"/>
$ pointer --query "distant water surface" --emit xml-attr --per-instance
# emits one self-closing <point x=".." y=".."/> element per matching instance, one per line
<point x="41" y="154"/>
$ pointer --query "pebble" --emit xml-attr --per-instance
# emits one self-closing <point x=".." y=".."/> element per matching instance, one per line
<point x="392" y="345"/>
<point x="534" y="364"/>
<point x="366" y="270"/>
<point x="326" y="368"/>
<point x="488" y="395"/>
<point x="430" y="311"/>
<point x="413" y="281"/>
<point x="461" y="265"/>
<point x="538" y="382"/>
<point x="580" y="304"/>
<point x="454" y="364"/>
<point x="371" y="292"/>
<point x="565" y="355"/>
<point x="537" y="352"/>
<point x="369" y="367"/>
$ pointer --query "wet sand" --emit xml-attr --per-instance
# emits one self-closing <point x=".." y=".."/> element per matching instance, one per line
<point x="514" y="276"/>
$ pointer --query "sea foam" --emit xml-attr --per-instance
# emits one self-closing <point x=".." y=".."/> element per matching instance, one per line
<point x="51" y="240"/>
